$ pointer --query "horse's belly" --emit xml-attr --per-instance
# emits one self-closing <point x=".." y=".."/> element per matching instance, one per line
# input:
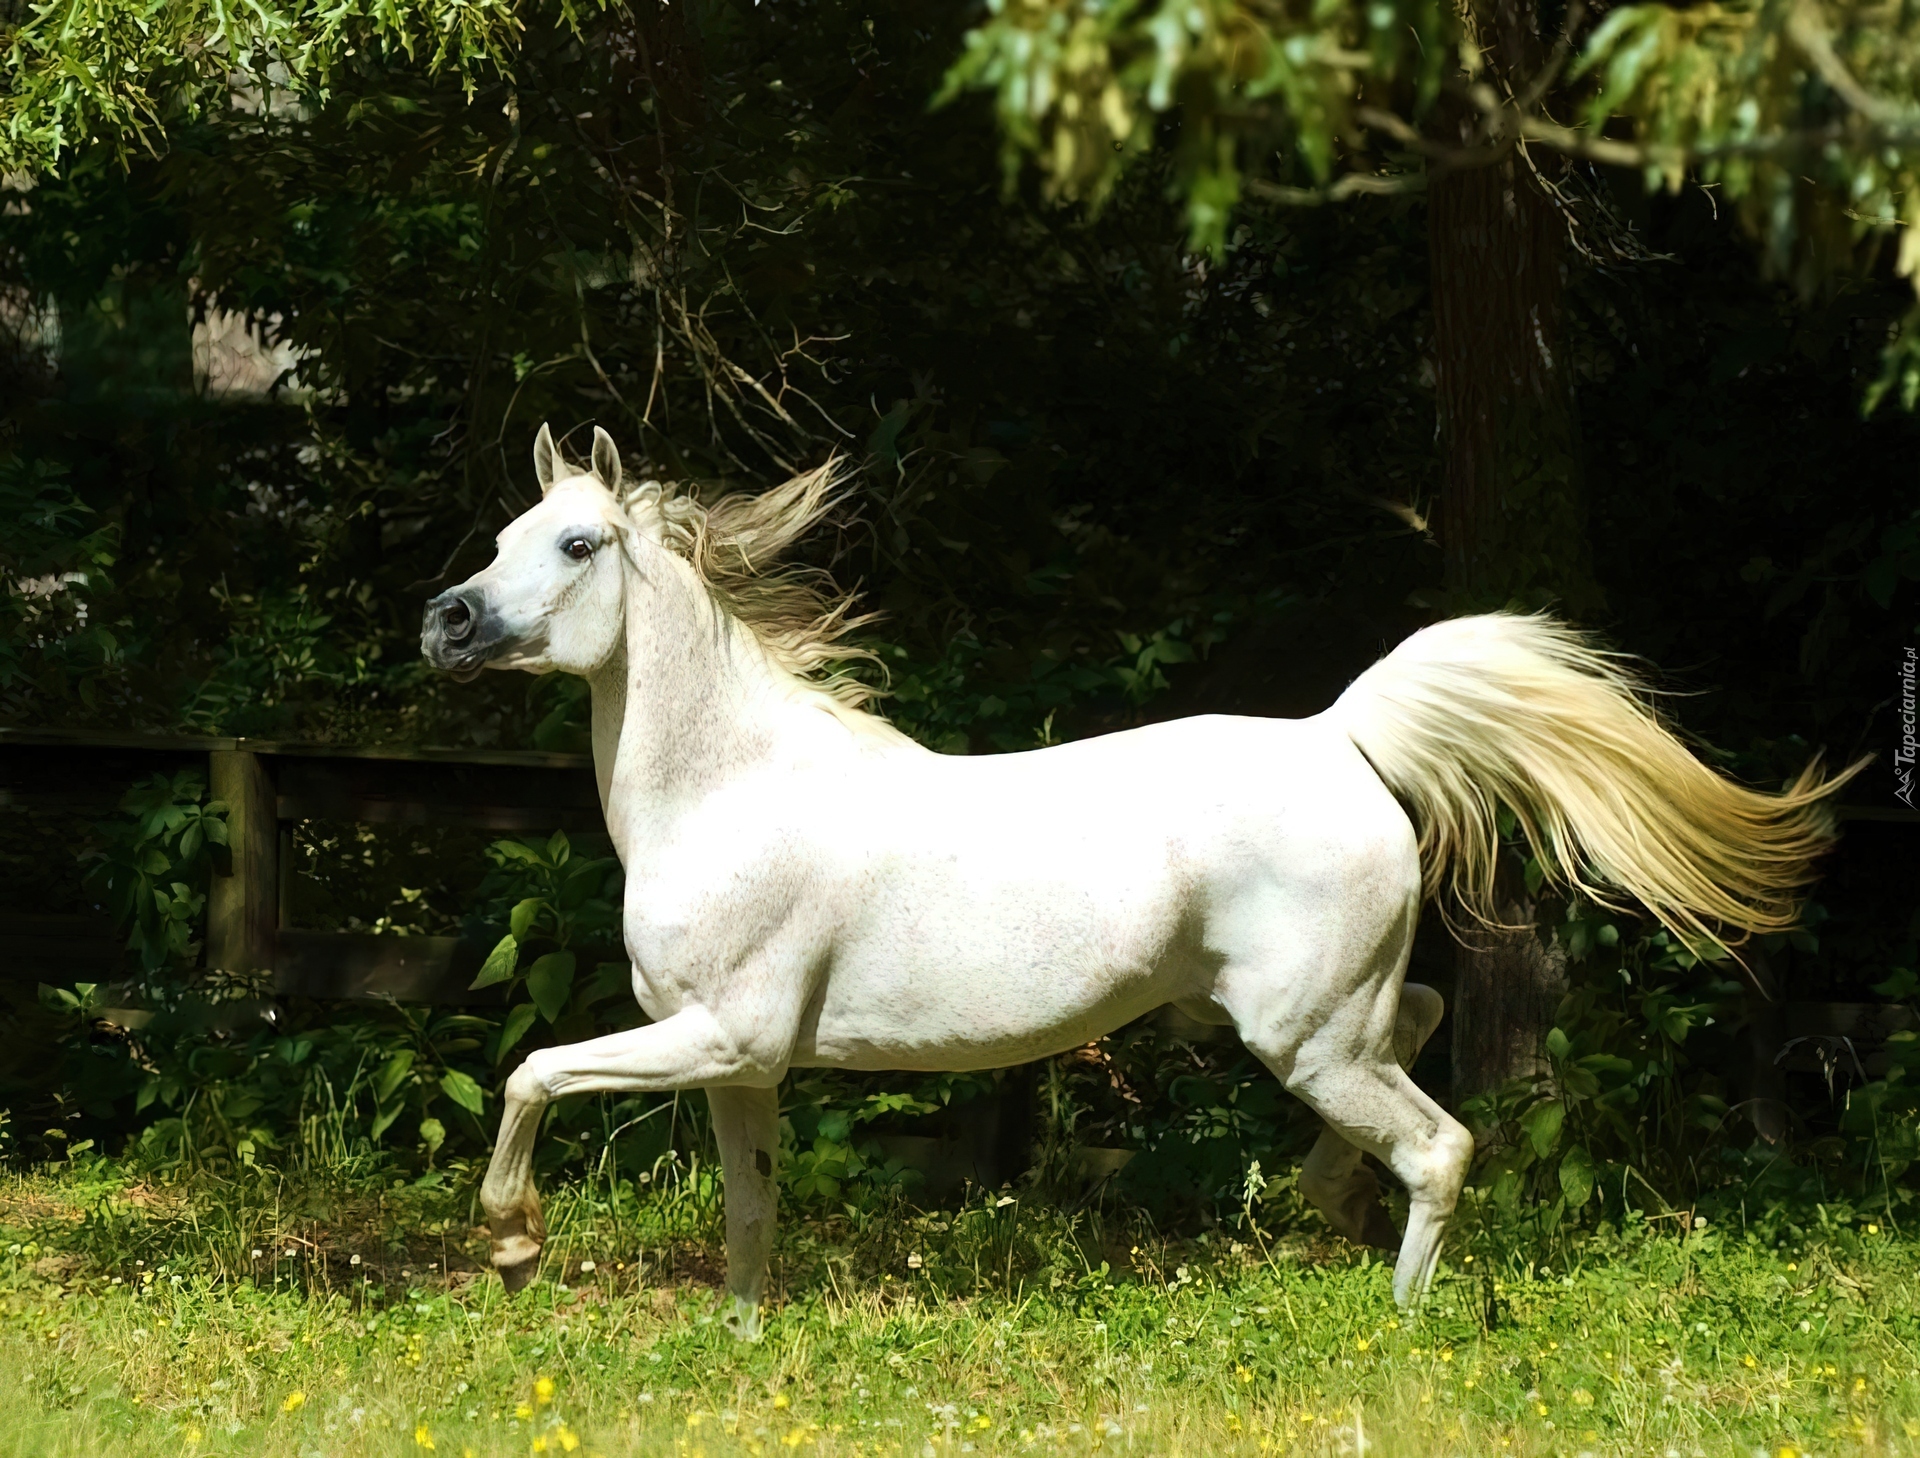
<point x="995" y="974"/>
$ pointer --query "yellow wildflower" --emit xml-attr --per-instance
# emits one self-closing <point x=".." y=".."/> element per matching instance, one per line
<point x="422" y="1438"/>
<point x="1749" y="1361"/>
<point x="539" y="1445"/>
<point x="794" y="1437"/>
<point x="1363" y="1344"/>
<point x="194" y="1435"/>
<point x="293" y="1401"/>
<point x="781" y="1401"/>
<point x="543" y="1390"/>
<point x="522" y="1411"/>
<point x="982" y="1423"/>
<point x="569" y="1439"/>
<point x="1582" y="1397"/>
<point x="1243" y="1374"/>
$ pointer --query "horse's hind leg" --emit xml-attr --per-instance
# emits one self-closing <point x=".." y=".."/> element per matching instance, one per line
<point x="1333" y="1177"/>
<point x="746" y="1124"/>
<point x="1375" y="1106"/>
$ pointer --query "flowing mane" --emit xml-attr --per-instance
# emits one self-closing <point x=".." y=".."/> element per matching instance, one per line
<point x="799" y="616"/>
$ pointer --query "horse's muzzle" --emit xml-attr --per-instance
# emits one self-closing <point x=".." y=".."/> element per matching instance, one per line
<point x="450" y="636"/>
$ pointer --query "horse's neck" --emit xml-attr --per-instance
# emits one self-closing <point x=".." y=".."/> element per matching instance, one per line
<point x="682" y="707"/>
<point x="607" y="694"/>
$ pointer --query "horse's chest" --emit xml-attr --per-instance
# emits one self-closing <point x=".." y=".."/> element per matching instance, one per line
<point x="691" y="930"/>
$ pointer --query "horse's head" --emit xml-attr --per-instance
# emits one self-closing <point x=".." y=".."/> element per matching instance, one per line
<point x="552" y="596"/>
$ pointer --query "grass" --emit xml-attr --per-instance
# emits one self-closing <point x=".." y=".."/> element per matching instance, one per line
<point x="138" y="1319"/>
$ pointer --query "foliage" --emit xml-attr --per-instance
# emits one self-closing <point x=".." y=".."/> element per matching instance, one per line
<point x="54" y="561"/>
<point x="126" y="72"/>
<point x="1081" y="87"/>
<point x="1803" y="116"/>
<point x="153" y="867"/>
<point x="822" y="1116"/>
<point x="554" y="898"/>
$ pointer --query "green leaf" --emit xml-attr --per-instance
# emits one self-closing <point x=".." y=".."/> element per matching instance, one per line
<point x="610" y="979"/>
<point x="524" y="915"/>
<point x="1557" y="1045"/>
<point x="515" y="1028"/>
<point x="463" y="1090"/>
<point x="1899" y="985"/>
<point x="1542" y="1123"/>
<point x="384" y="1118"/>
<point x="432" y="1134"/>
<point x="391" y="1073"/>
<point x="1577" y="1176"/>
<point x="548" y="982"/>
<point x="1535" y="875"/>
<point x="499" y="966"/>
<point x="558" y="849"/>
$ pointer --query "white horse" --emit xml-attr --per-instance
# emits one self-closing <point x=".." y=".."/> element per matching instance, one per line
<point x="806" y="887"/>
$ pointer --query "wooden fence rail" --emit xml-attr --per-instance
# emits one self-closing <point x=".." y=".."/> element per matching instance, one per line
<point x="268" y="786"/>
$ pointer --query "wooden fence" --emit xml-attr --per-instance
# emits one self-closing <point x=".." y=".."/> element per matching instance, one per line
<point x="269" y="786"/>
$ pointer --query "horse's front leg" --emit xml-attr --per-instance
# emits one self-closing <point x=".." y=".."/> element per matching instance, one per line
<point x="746" y="1122"/>
<point x="686" y="1050"/>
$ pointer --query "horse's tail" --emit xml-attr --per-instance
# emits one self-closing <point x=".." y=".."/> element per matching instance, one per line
<point x="1524" y="713"/>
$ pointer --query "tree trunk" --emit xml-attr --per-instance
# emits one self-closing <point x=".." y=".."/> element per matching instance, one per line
<point x="1512" y="511"/>
<point x="1507" y="988"/>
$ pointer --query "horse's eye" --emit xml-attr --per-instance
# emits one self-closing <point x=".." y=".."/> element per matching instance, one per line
<point x="579" y="549"/>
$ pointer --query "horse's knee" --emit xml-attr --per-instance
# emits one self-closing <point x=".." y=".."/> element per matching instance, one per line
<point x="524" y="1084"/>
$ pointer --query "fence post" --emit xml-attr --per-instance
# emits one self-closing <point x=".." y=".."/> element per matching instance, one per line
<point x="243" y="905"/>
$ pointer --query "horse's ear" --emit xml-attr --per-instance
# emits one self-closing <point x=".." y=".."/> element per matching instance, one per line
<point x="606" y="460"/>
<point x="543" y="459"/>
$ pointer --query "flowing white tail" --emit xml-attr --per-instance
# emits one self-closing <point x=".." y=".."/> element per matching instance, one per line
<point x="1524" y="712"/>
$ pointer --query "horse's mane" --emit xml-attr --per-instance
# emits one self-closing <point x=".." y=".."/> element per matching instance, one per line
<point x="800" y="617"/>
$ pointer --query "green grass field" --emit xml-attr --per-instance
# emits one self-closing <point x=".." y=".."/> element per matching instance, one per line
<point x="262" y="1318"/>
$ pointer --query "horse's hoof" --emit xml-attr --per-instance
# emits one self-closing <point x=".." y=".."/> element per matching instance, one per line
<point x="519" y="1277"/>
<point x="743" y="1320"/>
<point x="1378" y="1231"/>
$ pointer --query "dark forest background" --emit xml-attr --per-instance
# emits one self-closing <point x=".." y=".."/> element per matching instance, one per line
<point x="1102" y="479"/>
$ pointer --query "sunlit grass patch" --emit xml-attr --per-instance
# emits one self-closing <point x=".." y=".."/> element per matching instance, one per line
<point x="891" y="1338"/>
